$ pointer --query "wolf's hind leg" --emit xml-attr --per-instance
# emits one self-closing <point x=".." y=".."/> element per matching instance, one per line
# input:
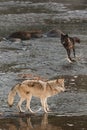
<point x="19" y="105"/>
<point x="28" y="103"/>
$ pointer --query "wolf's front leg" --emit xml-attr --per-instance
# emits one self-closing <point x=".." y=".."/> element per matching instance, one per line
<point x="47" y="107"/>
<point x="44" y="105"/>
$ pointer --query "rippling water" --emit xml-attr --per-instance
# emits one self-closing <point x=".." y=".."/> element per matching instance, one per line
<point x="44" y="57"/>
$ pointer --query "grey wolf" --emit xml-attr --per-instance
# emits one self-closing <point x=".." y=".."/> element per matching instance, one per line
<point x="69" y="44"/>
<point x="67" y="41"/>
<point x="36" y="88"/>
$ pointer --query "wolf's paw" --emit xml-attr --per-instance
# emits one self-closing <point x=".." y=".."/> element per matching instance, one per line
<point x="71" y="60"/>
<point x="20" y="109"/>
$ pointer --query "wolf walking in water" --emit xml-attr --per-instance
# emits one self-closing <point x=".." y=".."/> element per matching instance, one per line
<point x="36" y="88"/>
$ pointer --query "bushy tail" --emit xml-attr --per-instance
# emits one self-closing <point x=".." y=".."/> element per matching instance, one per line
<point x="11" y="95"/>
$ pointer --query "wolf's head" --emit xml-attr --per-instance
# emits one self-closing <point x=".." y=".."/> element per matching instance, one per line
<point x="60" y="84"/>
<point x="57" y="84"/>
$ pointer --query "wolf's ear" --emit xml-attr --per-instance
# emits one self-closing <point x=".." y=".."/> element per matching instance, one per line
<point x="60" y="80"/>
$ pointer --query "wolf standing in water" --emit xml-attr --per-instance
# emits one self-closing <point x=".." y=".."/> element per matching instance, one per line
<point x="36" y="88"/>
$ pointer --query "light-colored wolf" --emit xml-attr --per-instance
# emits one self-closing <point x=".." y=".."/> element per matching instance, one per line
<point x="36" y="88"/>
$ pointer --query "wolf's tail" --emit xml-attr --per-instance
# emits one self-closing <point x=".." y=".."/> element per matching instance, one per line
<point x="12" y="94"/>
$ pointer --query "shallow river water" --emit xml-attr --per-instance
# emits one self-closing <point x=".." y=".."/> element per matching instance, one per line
<point x="44" y="57"/>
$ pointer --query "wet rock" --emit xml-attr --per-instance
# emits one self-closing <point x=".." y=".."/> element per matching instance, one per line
<point x="31" y="76"/>
<point x="53" y="33"/>
<point x="25" y="35"/>
<point x="18" y="40"/>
